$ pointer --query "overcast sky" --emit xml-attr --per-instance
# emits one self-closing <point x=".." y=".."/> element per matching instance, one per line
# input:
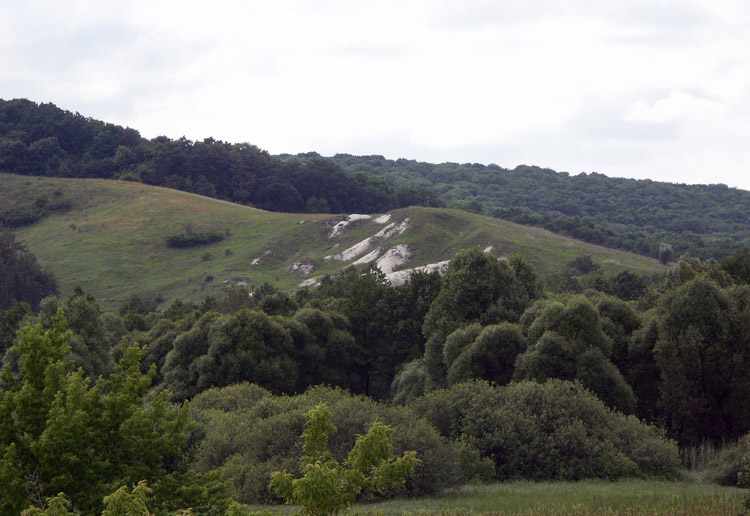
<point x="638" y="88"/>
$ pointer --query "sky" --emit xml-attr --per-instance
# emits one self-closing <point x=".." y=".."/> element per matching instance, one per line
<point x="639" y="88"/>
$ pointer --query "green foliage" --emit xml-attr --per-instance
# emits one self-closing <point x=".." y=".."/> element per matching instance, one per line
<point x="385" y="322"/>
<point x="583" y="264"/>
<point x="702" y="351"/>
<point x="10" y="322"/>
<point x="61" y="433"/>
<point x="490" y="356"/>
<point x="248" y="440"/>
<point x="329" y="488"/>
<point x="128" y="501"/>
<point x="477" y="288"/>
<point x="738" y="265"/>
<point x="55" y="506"/>
<point x="193" y="239"/>
<point x="555" y="430"/>
<point x="410" y="382"/>
<point x="22" y="279"/>
<point x="568" y="342"/>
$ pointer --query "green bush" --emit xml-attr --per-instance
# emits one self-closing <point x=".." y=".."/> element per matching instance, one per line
<point x="554" y="430"/>
<point x="193" y="239"/>
<point x="247" y="433"/>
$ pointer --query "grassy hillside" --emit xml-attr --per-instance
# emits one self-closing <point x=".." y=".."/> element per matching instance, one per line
<point x="109" y="238"/>
<point x="707" y="221"/>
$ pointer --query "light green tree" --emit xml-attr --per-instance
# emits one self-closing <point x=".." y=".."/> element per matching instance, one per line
<point x="59" y="433"/>
<point x="329" y="488"/>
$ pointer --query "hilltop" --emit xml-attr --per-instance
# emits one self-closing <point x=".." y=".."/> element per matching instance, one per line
<point x="707" y="221"/>
<point x="109" y="237"/>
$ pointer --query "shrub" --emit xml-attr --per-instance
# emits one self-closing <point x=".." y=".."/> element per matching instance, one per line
<point x="329" y="488"/>
<point x="247" y="433"/>
<point x="554" y="430"/>
<point x="193" y="239"/>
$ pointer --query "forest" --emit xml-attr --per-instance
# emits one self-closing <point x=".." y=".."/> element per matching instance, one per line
<point x="706" y="221"/>
<point x="44" y="140"/>
<point x="484" y="373"/>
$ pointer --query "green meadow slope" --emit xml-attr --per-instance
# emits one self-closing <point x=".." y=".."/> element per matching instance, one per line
<point x="109" y="238"/>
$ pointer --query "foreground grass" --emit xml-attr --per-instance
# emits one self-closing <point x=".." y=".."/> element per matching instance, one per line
<point x="627" y="497"/>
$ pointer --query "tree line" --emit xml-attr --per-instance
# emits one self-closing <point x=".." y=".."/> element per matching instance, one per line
<point x="707" y="221"/>
<point x="42" y="139"/>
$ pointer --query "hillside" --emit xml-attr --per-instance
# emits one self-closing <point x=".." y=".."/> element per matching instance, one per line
<point x="109" y="238"/>
<point x="707" y="221"/>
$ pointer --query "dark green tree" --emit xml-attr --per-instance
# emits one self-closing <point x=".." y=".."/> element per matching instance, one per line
<point x="702" y="352"/>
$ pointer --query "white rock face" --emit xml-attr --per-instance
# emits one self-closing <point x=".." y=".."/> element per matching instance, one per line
<point x="400" y="277"/>
<point x="303" y="268"/>
<point x="383" y="219"/>
<point x="369" y="257"/>
<point x="362" y="247"/>
<point x="394" y="257"/>
<point x="310" y="282"/>
<point x="341" y="226"/>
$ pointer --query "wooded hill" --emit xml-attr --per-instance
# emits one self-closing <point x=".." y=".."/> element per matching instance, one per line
<point x="117" y="238"/>
<point x="638" y="216"/>
<point x="707" y="221"/>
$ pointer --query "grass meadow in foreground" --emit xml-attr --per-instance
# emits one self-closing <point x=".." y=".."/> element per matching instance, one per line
<point x="628" y="497"/>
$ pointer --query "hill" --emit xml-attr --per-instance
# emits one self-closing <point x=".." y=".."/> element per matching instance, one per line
<point x="707" y="221"/>
<point x="109" y="237"/>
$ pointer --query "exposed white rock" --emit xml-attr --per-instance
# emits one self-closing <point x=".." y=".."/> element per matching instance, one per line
<point x="304" y="268"/>
<point x="394" y="257"/>
<point x="392" y="230"/>
<point x="489" y="249"/>
<point x="355" y="250"/>
<point x="400" y="277"/>
<point x="256" y="261"/>
<point x="383" y="219"/>
<point x="310" y="282"/>
<point x="389" y="231"/>
<point x="339" y="228"/>
<point x="369" y="257"/>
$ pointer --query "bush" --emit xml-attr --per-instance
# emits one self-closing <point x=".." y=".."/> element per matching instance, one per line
<point x="193" y="239"/>
<point x="247" y="433"/>
<point x="554" y="430"/>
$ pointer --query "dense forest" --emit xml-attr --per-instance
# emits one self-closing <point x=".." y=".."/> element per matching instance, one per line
<point x="484" y="372"/>
<point x="42" y="139"/>
<point x="706" y="221"/>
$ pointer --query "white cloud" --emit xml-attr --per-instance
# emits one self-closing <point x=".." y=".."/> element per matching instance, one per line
<point x="677" y="106"/>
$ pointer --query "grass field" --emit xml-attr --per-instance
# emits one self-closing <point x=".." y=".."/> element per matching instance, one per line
<point x="111" y="241"/>
<point x="591" y="497"/>
<point x="634" y="497"/>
